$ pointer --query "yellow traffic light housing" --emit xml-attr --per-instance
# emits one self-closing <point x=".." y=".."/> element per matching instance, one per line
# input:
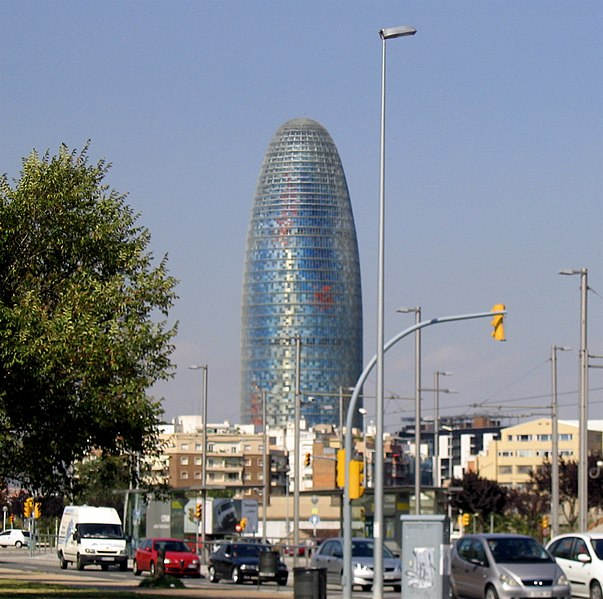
<point x="307" y="459"/>
<point x="37" y="511"/>
<point x="356" y="479"/>
<point x="198" y="511"/>
<point x="243" y="524"/>
<point x="28" y="507"/>
<point x="341" y="468"/>
<point x="498" y="323"/>
<point x="545" y="522"/>
<point x="466" y="519"/>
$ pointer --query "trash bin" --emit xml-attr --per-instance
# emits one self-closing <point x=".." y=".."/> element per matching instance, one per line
<point x="310" y="583"/>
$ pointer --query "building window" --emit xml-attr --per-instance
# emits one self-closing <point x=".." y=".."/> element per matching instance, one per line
<point x="523" y="438"/>
<point x="525" y="453"/>
<point x="247" y="461"/>
<point x="198" y="475"/>
<point x="184" y="460"/>
<point x="198" y="461"/>
<point x="184" y="474"/>
<point x="247" y="476"/>
<point x="505" y="469"/>
<point x="544" y="437"/>
<point x="198" y="447"/>
<point x="505" y="454"/>
<point x="524" y="469"/>
<point x="184" y="447"/>
<point x="566" y="437"/>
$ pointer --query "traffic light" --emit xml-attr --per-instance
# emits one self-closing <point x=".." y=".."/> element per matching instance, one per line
<point x="307" y="459"/>
<point x="497" y="322"/>
<point x="243" y="524"/>
<point x="466" y="519"/>
<point x="356" y="479"/>
<point x="28" y="507"/>
<point x="545" y="522"/>
<point x="198" y="511"/>
<point x="37" y="511"/>
<point x="11" y="519"/>
<point x="341" y="468"/>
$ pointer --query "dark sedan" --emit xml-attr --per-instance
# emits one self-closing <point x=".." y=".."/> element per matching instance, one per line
<point x="239" y="562"/>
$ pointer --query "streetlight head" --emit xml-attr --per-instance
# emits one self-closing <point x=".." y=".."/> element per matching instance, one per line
<point x="407" y="310"/>
<point x="391" y="32"/>
<point x="571" y="271"/>
<point x="563" y="348"/>
<point x="441" y="373"/>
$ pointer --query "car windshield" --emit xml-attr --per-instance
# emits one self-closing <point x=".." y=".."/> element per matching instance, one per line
<point x="598" y="547"/>
<point x="515" y="550"/>
<point x="100" y="531"/>
<point x="172" y="546"/>
<point x="367" y="549"/>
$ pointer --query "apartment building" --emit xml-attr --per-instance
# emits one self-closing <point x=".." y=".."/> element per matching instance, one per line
<point x="524" y="447"/>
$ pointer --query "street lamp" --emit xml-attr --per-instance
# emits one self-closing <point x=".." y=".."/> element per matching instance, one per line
<point x="296" y="448"/>
<point x="583" y="409"/>
<point x="378" y="533"/>
<point x="204" y="369"/>
<point x="555" y="443"/>
<point x="417" y="311"/>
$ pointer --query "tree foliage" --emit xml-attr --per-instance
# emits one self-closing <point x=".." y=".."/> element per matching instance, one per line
<point x="83" y="331"/>
<point x="478" y="496"/>
<point x="568" y="486"/>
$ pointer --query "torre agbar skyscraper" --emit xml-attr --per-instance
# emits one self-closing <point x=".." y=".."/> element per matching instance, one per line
<point x="301" y="285"/>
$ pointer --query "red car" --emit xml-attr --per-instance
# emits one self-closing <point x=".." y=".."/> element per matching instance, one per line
<point x="179" y="560"/>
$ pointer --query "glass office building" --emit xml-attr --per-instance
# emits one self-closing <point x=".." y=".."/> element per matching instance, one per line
<point x="301" y="281"/>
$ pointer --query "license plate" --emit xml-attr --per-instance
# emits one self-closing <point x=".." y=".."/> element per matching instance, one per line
<point x="106" y="559"/>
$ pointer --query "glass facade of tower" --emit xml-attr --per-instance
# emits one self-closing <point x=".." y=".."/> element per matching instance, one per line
<point x="301" y="281"/>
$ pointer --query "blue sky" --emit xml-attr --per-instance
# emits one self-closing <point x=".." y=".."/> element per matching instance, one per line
<point x="494" y="166"/>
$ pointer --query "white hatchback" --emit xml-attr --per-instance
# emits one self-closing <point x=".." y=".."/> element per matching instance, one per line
<point x="580" y="556"/>
<point x="14" y="538"/>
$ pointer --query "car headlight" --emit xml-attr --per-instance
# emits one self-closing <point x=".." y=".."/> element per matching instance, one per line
<point x="562" y="580"/>
<point x="194" y="562"/>
<point x="509" y="581"/>
<point x="167" y="560"/>
<point x="245" y="566"/>
<point x="88" y="550"/>
<point x="362" y="569"/>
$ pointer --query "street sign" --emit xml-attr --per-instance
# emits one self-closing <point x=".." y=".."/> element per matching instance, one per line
<point x="314" y="519"/>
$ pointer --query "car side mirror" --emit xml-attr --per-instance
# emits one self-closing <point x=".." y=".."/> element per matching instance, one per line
<point x="584" y="558"/>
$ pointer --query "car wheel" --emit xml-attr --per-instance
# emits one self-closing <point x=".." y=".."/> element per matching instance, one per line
<point x="595" y="590"/>
<point x="397" y="588"/>
<point x="236" y="576"/>
<point x="213" y="577"/>
<point x="366" y="587"/>
<point x="491" y="593"/>
<point x="282" y="582"/>
<point x="79" y="563"/>
<point x="62" y="562"/>
<point x="137" y="571"/>
<point x="105" y="567"/>
<point x="152" y="568"/>
<point x="18" y="544"/>
<point x="123" y="566"/>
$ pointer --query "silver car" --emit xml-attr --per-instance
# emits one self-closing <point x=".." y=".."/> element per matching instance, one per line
<point x="330" y="556"/>
<point x="497" y="566"/>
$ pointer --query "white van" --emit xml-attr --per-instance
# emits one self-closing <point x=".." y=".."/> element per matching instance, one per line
<point x="91" y="535"/>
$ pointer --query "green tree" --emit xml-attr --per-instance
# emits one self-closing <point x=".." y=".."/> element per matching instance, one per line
<point x="568" y="485"/>
<point x="478" y="496"/>
<point x="83" y="331"/>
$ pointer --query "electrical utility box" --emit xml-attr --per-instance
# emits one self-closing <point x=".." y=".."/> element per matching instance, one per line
<point x="425" y="547"/>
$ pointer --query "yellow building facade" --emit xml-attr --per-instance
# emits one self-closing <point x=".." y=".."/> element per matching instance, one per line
<point x="524" y="447"/>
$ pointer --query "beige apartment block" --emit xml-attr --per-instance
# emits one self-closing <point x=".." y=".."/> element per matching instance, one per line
<point x="524" y="447"/>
